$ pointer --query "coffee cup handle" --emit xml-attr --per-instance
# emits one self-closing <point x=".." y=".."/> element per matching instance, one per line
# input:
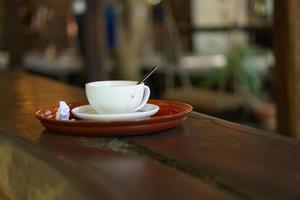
<point x="145" y="98"/>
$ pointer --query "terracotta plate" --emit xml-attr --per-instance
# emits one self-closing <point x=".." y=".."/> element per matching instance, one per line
<point x="170" y="114"/>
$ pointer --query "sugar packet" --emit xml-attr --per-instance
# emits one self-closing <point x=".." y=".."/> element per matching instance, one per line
<point x="63" y="111"/>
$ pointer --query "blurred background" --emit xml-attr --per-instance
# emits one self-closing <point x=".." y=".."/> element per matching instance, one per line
<point x="216" y="55"/>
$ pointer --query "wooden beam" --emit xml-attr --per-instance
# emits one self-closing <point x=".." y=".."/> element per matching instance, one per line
<point x="287" y="70"/>
<point x="95" y="46"/>
<point x="14" y="32"/>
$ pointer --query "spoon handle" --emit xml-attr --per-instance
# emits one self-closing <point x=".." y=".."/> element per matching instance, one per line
<point x="148" y="74"/>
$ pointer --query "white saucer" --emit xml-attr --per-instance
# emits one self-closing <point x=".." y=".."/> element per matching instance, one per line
<point x="88" y="113"/>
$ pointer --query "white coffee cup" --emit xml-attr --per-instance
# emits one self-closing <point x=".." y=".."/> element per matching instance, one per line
<point x="116" y="97"/>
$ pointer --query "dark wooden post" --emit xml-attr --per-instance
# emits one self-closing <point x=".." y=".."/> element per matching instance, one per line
<point x="95" y="43"/>
<point x="287" y="71"/>
<point x="14" y="34"/>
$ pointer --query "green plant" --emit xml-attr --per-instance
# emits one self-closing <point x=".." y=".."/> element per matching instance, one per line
<point x="238" y="74"/>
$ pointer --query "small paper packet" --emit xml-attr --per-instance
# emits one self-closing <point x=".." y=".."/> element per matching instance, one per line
<point x="63" y="111"/>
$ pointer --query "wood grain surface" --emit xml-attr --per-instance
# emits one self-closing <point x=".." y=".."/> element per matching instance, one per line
<point x="205" y="158"/>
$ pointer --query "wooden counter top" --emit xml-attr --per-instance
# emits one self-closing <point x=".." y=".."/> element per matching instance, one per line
<point x="205" y="158"/>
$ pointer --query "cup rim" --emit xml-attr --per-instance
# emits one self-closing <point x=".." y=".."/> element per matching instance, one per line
<point x="100" y="83"/>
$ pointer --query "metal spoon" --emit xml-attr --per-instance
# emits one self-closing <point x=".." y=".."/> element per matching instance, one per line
<point x="148" y="74"/>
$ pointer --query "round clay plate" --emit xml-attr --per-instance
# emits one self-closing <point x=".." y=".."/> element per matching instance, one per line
<point x="170" y="114"/>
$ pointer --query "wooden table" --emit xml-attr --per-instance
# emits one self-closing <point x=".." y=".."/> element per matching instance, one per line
<point x="205" y="158"/>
